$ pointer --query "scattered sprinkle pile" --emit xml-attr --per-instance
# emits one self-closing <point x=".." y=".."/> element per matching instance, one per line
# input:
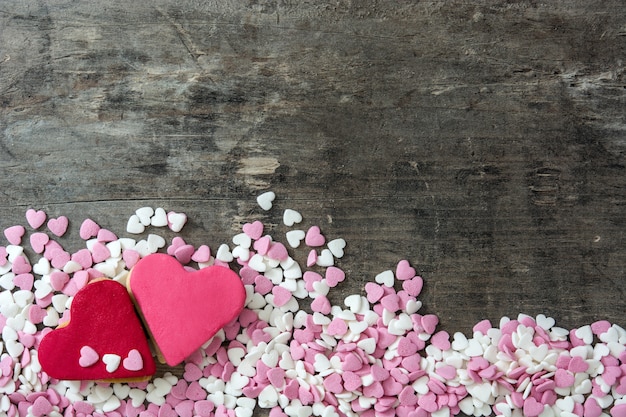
<point x="374" y="356"/>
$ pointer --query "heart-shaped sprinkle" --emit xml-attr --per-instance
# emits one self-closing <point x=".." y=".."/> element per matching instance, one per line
<point x="265" y="200"/>
<point x="130" y="257"/>
<point x="176" y="221"/>
<point x="334" y="276"/>
<point x="41" y="407"/>
<point x="134" y="225"/>
<point x="404" y="270"/>
<point x="159" y="219"/>
<point x="321" y="304"/>
<point x="385" y="278"/>
<point x="88" y="229"/>
<point x="21" y="265"/>
<point x="314" y="237"/>
<point x="325" y="258"/>
<point x="58" y="226"/>
<point x="35" y="218"/>
<point x="413" y="286"/>
<point x="145" y="215"/>
<point x="24" y="281"/>
<point x="134" y="361"/>
<point x="532" y="407"/>
<point x="278" y="251"/>
<point x="336" y="246"/>
<point x="184" y="253"/>
<point x="88" y="356"/>
<point x="254" y="230"/>
<point x="281" y="295"/>
<point x="202" y="254"/>
<point x="294" y="237"/>
<point x="105" y="235"/>
<point x="38" y="241"/>
<point x="291" y="217"/>
<point x="14" y="234"/>
<point x="112" y="362"/>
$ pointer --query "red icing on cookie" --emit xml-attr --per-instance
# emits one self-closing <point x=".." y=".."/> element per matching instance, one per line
<point x="103" y="326"/>
<point x="182" y="309"/>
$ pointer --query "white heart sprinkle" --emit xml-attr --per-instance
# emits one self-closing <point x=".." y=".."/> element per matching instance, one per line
<point x="241" y="253"/>
<point x="160" y="218"/>
<point x="242" y="240"/>
<point x="544" y="322"/>
<point x="265" y="200"/>
<point x="13" y="348"/>
<point x="176" y="221"/>
<point x="155" y="242"/>
<point x="145" y="214"/>
<point x="52" y="318"/>
<point x="134" y="225"/>
<point x="325" y="258"/>
<point x="291" y="217"/>
<point x="6" y="281"/>
<point x="257" y="263"/>
<point x="223" y="253"/>
<point x="42" y="267"/>
<point x="294" y="237"/>
<point x="336" y="246"/>
<point x="386" y="278"/>
<point x="112" y="362"/>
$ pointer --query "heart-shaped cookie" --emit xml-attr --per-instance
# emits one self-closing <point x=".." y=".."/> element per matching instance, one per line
<point x="103" y="325"/>
<point x="181" y="309"/>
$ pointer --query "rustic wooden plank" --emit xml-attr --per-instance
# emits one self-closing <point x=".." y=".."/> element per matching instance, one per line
<point x="483" y="141"/>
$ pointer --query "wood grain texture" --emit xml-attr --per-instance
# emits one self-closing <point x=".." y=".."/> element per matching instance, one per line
<point x="484" y="141"/>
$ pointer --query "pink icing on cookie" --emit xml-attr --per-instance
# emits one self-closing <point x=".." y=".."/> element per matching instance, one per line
<point x="102" y="322"/>
<point x="182" y="309"/>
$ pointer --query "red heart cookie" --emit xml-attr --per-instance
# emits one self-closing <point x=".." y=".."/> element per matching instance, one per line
<point x="183" y="309"/>
<point x="103" y="340"/>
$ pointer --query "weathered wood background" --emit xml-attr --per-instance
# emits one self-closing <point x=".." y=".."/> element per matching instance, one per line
<point x="482" y="140"/>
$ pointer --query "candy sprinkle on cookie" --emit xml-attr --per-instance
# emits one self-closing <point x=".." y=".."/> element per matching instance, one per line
<point x="287" y="349"/>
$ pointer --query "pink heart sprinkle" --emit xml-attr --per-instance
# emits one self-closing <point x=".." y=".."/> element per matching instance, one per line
<point x="134" y="361"/>
<point x="532" y="407"/>
<point x="351" y="381"/>
<point x="202" y="254"/>
<point x="41" y="407"/>
<point x="276" y="376"/>
<point x="203" y="408"/>
<point x="254" y="230"/>
<point x="195" y="392"/>
<point x="24" y="281"/>
<point x="105" y="235"/>
<point x="178" y="390"/>
<point x="262" y="284"/>
<point x="314" y="237"/>
<point x="58" y="226"/>
<point x="58" y="279"/>
<point x="337" y="327"/>
<point x="321" y="304"/>
<point x="278" y="251"/>
<point x="177" y="242"/>
<point x="184" y="253"/>
<point x="184" y="408"/>
<point x="88" y="229"/>
<point x="332" y="383"/>
<point x="59" y="258"/>
<point x="577" y="364"/>
<point x="429" y="323"/>
<point x="20" y="265"/>
<point x="36" y="314"/>
<point x="88" y="356"/>
<point x="311" y="258"/>
<point x="35" y="218"/>
<point x="83" y="258"/>
<point x="192" y="372"/>
<point x="413" y="286"/>
<point x="262" y="245"/>
<point x="14" y="234"/>
<point x="38" y="241"/>
<point x="374" y="292"/>
<point x="309" y="278"/>
<point x="352" y="362"/>
<point x="99" y="252"/>
<point x="3" y="256"/>
<point x="281" y="295"/>
<point x="591" y="408"/>
<point x="334" y="276"/>
<point x="441" y="340"/>
<point x="130" y="257"/>
<point x="404" y="270"/>
<point x="166" y="410"/>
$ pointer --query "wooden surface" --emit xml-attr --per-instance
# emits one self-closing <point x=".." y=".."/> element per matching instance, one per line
<point x="484" y="141"/>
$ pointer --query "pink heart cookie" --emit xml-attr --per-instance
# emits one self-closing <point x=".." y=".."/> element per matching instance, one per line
<point x="181" y="309"/>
